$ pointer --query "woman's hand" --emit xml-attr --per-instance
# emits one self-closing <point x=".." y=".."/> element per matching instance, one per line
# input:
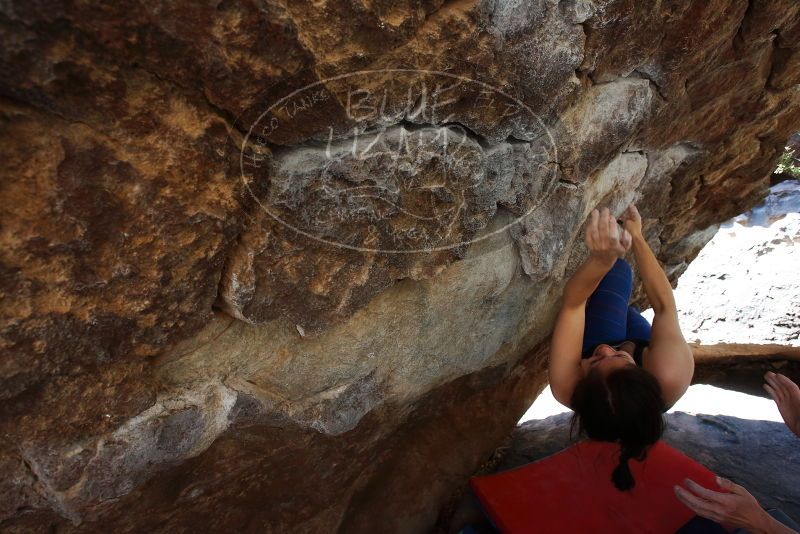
<point x="736" y="509"/>
<point x="632" y="221"/>
<point x="604" y="239"/>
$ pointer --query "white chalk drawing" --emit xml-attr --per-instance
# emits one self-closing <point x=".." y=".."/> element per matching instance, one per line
<point x="393" y="175"/>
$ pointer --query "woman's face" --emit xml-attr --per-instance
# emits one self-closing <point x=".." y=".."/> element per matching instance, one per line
<point x="607" y="358"/>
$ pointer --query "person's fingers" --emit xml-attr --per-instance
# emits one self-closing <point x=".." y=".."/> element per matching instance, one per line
<point x="773" y="380"/>
<point x="613" y="227"/>
<point x="591" y="231"/>
<point x="595" y="217"/>
<point x="602" y="224"/>
<point x="635" y="211"/>
<point x="775" y="385"/>
<point x="771" y="392"/>
<point x="786" y="382"/>
<point x="705" y="493"/>
<point x="687" y="498"/>
<point x="731" y="486"/>
<point x="696" y="504"/>
<point x="626" y="239"/>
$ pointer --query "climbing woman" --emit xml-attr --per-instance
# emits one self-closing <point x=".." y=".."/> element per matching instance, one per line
<point x="624" y="374"/>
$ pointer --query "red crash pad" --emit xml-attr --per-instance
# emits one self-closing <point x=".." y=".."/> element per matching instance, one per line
<point x="572" y="491"/>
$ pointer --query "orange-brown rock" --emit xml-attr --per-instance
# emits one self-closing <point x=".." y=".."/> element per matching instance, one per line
<point x="262" y="264"/>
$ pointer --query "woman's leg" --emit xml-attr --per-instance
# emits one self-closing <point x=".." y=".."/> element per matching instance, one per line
<point x="607" y="308"/>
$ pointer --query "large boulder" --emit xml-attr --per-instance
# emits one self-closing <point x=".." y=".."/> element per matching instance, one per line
<point x="292" y="266"/>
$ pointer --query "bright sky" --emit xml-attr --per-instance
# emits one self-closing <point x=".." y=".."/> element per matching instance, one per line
<point x="699" y="399"/>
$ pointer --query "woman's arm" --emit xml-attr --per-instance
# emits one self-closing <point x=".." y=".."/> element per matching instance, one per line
<point x="605" y="245"/>
<point x="655" y="281"/>
<point x="669" y="357"/>
<point x="585" y="280"/>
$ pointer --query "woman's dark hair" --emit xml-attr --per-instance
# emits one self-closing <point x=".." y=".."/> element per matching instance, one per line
<point x="624" y="407"/>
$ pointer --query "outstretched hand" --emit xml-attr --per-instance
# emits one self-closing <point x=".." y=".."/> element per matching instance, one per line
<point x="786" y="395"/>
<point x="604" y="239"/>
<point x="735" y="509"/>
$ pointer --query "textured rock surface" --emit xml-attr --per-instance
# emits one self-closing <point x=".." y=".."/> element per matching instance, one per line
<point x="245" y="288"/>
<point x="741" y="367"/>
<point x="762" y="456"/>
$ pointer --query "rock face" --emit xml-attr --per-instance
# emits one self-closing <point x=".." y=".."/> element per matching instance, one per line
<point x="264" y="263"/>
<point x="762" y="456"/>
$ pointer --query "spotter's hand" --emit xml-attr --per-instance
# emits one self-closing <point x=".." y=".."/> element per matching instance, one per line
<point x="735" y="508"/>
<point x="786" y="395"/>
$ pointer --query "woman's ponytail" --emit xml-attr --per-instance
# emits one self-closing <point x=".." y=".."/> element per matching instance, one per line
<point x="624" y="407"/>
<point x="622" y="476"/>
